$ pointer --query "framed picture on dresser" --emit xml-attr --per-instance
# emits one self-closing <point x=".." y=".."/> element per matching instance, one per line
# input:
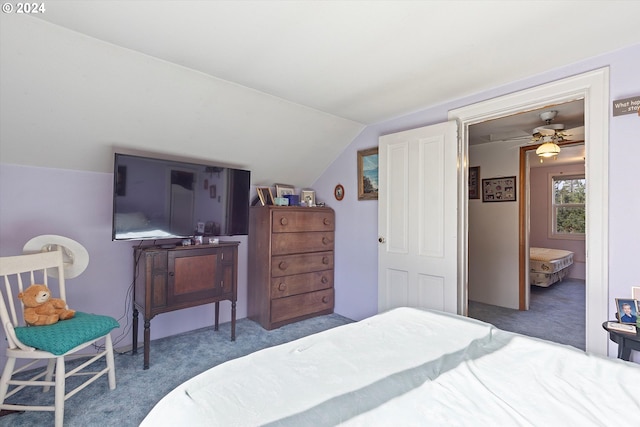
<point x="284" y="190"/>
<point x="265" y="196"/>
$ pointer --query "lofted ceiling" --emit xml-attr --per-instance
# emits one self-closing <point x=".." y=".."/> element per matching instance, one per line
<point x="351" y="63"/>
<point x="365" y="61"/>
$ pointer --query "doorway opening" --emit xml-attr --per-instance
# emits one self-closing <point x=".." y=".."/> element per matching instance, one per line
<point x="593" y="88"/>
<point x="502" y="291"/>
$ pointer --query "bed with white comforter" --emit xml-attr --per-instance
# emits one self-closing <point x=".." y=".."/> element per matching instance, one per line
<point x="408" y="367"/>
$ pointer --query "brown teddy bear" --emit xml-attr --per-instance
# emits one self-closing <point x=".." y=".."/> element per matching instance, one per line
<point x="41" y="309"/>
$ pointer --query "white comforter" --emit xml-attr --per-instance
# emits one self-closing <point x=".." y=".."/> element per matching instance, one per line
<point x="408" y="367"/>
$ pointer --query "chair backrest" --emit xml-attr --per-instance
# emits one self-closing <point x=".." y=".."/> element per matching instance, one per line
<point x="18" y="273"/>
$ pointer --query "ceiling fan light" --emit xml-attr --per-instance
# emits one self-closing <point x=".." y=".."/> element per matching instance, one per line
<point x="548" y="149"/>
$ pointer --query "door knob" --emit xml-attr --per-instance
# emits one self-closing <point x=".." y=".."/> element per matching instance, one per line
<point x="381" y="239"/>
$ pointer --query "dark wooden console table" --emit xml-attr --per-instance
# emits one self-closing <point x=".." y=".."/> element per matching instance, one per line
<point x="626" y="341"/>
<point x="168" y="279"/>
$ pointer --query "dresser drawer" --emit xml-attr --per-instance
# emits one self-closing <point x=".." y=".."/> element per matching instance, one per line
<point x="293" y="243"/>
<point x="285" y="265"/>
<point x="286" y="286"/>
<point x="292" y="221"/>
<point x="301" y="305"/>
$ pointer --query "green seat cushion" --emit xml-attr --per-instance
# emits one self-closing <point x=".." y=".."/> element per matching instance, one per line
<point x="66" y="334"/>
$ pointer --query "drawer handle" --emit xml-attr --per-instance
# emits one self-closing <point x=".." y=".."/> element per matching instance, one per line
<point x="324" y="279"/>
<point x="327" y="221"/>
<point x="282" y="287"/>
<point x="325" y="260"/>
<point x="325" y="241"/>
<point x="283" y="265"/>
<point x="284" y="221"/>
<point x="325" y="299"/>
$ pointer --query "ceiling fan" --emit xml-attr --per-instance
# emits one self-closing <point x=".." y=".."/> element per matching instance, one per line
<point x="548" y="136"/>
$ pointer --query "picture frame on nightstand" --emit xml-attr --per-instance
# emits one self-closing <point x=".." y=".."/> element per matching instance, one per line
<point x="627" y="310"/>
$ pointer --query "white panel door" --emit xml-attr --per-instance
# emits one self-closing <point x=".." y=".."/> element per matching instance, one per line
<point x="417" y="218"/>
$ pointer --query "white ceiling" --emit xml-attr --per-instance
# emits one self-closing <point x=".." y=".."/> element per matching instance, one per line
<point x="365" y="61"/>
<point x="303" y="78"/>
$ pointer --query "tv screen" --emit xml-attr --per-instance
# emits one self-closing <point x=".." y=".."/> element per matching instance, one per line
<point x="164" y="199"/>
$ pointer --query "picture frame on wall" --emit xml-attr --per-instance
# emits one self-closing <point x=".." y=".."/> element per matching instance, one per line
<point x="368" y="174"/>
<point x="499" y="189"/>
<point x="474" y="182"/>
<point x="265" y="195"/>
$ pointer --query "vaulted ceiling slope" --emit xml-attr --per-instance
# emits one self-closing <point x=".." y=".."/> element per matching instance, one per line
<point x="365" y="61"/>
<point x="278" y="87"/>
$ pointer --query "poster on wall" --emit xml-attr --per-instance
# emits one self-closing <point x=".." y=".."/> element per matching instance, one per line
<point x="499" y="189"/>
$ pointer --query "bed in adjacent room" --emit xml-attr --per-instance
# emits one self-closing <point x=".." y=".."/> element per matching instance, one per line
<point x="548" y="266"/>
<point x="408" y="367"/>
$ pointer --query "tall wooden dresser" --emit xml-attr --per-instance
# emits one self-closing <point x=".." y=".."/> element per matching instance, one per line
<point x="291" y="259"/>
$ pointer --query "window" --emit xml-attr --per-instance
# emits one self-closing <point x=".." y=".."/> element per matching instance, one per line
<point x="568" y="206"/>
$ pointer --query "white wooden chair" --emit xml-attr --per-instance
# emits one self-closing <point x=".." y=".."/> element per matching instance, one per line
<point x="52" y="342"/>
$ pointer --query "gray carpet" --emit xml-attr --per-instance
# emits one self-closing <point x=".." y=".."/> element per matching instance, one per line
<point x="556" y="313"/>
<point x="173" y="360"/>
<point x="176" y="359"/>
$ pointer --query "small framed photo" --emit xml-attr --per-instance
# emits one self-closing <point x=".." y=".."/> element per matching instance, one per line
<point x="265" y="196"/>
<point x="474" y="182"/>
<point x="212" y="192"/>
<point x="635" y="293"/>
<point x="627" y="310"/>
<point x="368" y="174"/>
<point x="284" y="190"/>
<point x="499" y="189"/>
<point x="308" y="197"/>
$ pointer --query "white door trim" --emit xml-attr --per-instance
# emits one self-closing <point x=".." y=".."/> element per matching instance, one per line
<point x="593" y="87"/>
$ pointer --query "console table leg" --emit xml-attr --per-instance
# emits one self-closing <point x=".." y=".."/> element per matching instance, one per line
<point x="147" y="339"/>
<point x="134" y="346"/>
<point x="233" y="320"/>
<point x="624" y="352"/>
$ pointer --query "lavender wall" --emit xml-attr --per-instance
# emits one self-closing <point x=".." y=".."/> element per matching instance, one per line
<point x="75" y="204"/>
<point x="356" y="240"/>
